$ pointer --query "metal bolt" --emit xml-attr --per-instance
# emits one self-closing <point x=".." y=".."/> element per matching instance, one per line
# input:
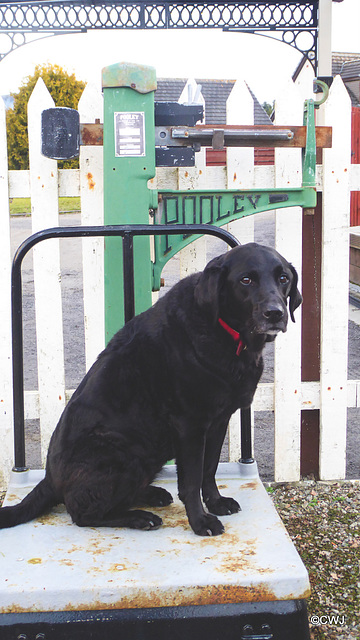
<point x="40" y="636"/>
<point x="22" y="636"/>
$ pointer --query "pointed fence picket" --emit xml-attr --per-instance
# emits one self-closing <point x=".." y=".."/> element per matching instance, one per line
<point x="47" y="272"/>
<point x="239" y="175"/>
<point x="240" y="161"/>
<point x="193" y="257"/>
<point x="334" y="286"/>
<point x="287" y="396"/>
<point x="288" y="241"/>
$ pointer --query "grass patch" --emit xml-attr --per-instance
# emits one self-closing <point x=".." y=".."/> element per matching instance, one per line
<point x="22" y="206"/>
<point x="69" y="205"/>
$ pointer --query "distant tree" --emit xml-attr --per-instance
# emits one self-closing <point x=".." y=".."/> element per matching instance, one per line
<point x="269" y="108"/>
<point x="65" y="90"/>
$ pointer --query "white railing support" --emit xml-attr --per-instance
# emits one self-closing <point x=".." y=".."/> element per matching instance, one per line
<point x="288" y="240"/>
<point x="92" y="213"/>
<point x="334" y="284"/>
<point x="6" y="423"/>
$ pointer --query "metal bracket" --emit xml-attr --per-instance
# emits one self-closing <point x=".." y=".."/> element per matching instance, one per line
<point x="249" y="634"/>
<point x="218" y="138"/>
<point x="325" y="91"/>
<point x="127" y="232"/>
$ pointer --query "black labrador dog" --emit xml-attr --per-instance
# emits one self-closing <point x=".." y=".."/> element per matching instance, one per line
<point x="164" y="388"/>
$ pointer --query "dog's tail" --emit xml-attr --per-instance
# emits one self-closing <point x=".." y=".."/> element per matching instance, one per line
<point x="37" y="502"/>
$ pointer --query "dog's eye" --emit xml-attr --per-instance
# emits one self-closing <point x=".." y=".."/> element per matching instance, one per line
<point x="246" y="281"/>
<point x="283" y="279"/>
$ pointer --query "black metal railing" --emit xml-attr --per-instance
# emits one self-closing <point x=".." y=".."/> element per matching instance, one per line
<point x="127" y="232"/>
<point x="294" y="21"/>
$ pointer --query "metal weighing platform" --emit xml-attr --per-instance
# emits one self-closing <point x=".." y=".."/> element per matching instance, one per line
<point x="61" y="581"/>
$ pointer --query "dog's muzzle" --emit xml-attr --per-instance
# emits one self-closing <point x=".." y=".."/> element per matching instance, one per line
<point x="272" y="319"/>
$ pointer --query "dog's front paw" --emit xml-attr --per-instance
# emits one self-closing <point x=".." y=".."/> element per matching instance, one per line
<point x="207" y="525"/>
<point x="223" y="506"/>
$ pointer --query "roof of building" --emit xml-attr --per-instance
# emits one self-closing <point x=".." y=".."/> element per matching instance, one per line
<point x="346" y="64"/>
<point x="215" y="94"/>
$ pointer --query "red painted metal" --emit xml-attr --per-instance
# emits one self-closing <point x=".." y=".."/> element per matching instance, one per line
<point x="215" y="157"/>
<point x="262" y="156"/>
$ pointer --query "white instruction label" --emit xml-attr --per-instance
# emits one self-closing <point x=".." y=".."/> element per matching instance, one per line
<point x="129" y="134"/>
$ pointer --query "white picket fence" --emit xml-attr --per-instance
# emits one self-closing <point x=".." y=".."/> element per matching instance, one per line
<point x="287" y="396"/>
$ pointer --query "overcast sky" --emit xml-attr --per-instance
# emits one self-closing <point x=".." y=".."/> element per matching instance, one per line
<point x="209" y="53"/>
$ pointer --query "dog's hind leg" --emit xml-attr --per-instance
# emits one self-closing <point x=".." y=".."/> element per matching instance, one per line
<point x="87" y="511"/>
<point x="154" y="497"/>
<point x="132" y="519"/>
<point x="108" y="500"/>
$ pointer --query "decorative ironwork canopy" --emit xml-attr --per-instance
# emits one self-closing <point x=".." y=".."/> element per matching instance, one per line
<point x="296" y="21"/>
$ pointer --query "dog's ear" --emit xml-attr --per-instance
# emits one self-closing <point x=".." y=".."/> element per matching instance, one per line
<point x="295" y="297"/>
<point x="208" y="288"/>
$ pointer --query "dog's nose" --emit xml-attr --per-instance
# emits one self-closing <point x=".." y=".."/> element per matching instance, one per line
<point x="274" y="313"/>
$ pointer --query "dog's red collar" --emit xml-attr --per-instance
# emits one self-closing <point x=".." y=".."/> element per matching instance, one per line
<point x="235" y="336"/>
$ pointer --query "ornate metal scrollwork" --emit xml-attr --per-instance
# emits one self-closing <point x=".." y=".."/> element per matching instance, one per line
<point x="295" y="20"/>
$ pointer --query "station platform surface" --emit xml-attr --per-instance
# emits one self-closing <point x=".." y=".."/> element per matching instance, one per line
<point x="50" y="564"/>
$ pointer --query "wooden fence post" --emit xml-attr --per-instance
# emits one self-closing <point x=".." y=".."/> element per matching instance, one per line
<point x="288" y="233"/>
<point x="240" y="160"/>
<point x="240" y="175"/>
<point x="335" y="283"/>
<point x="6" y="422"/>
<point x="310" y="311"/>
<point x="92" y="213"/>
<point x="193" y="257"/>
<point x="47" y="273"/>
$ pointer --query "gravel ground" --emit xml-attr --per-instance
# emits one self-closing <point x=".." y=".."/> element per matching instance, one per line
<point x="323" y="520"/>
